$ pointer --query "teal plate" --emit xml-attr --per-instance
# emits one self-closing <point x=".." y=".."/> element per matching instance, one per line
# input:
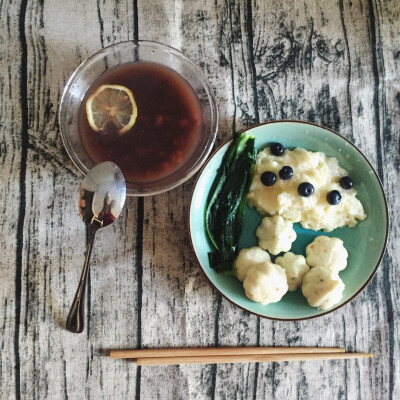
<point x="365" y="243"/>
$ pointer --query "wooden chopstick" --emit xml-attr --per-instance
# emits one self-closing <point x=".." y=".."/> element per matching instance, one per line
<point x="219" y="351"/>
<point x="248" y="358"/>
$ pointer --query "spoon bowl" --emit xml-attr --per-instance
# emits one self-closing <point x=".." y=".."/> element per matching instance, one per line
<point x="102" y="194"/>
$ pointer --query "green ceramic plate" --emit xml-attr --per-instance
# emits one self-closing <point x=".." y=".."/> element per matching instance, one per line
<point x="365" y="243"/>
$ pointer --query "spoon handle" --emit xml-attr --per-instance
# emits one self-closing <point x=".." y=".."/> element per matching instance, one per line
<point x="75" y="322"/>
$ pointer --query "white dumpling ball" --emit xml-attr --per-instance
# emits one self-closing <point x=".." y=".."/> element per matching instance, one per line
<point x="295" y="267"/>
<point x="276" y="234"/>
<point x="322" y="288"/>
<point x="265" y="283"/>
<point x="247" y="258"/>
<point x="327" y="252"/>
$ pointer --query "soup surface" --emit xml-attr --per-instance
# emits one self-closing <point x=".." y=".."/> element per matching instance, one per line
<point x="166" y="130"/>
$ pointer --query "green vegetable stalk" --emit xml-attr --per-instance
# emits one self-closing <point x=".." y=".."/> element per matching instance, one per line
<point x="226" y="201"/>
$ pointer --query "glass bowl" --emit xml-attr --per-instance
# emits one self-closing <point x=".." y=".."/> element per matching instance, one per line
<point x="132" y="52"/>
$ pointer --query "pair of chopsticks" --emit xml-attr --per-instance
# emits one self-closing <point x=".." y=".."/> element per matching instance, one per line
<point x="220" y="355"/>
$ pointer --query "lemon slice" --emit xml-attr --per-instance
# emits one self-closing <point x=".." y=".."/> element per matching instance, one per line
<point x="111" y="104"/>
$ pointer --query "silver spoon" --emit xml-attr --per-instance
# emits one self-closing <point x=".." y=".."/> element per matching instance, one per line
<point x="101" y="197"/>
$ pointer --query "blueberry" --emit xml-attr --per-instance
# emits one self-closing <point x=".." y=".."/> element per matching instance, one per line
<point x="305" y="189"/>
<point x="286" y="172"/>
<point x="277" y="149"/>
<point x="268" y="178"/>
<point x="333" y="197"/>
<point x="346" y="182"/>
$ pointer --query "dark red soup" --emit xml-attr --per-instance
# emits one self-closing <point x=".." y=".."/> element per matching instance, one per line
<point x="167" y="127"/>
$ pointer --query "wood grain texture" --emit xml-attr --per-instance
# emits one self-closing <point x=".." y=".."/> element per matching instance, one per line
<point x="334" y="63"/>
<point x="11" y="186"/>
<point x="248" y="358"/>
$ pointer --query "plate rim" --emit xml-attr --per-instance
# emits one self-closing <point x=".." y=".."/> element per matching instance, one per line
<point x="386" y="220"/>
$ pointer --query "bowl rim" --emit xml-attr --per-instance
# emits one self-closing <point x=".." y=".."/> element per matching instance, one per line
<point x="386" y="220"/>
<point x="213" y="108"/>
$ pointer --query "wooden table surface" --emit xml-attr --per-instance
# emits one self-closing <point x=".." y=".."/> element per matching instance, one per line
<point x="336" y="63"/>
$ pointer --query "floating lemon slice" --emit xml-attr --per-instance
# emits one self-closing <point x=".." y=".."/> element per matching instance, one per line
<point x="111" y="104"/>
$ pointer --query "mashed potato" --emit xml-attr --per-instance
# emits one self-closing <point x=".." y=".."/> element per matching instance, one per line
<point x="313" y="212"/>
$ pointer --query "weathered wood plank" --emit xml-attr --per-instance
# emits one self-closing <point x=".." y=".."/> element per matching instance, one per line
<point x="172" y="279"/>
<point x="55" y="363"/>
<point x="53" y="246"/>
<point x="387" y="44"/>
<point x="114" y="274"/>
<point x="11" y="127"/>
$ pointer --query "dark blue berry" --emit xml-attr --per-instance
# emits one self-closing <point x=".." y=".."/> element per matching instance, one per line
<point x="333" y="197"/>
<point x="346" y="182"/>
<point x="286" y="172"/>
<point x="277" y="149"/>
<point x="305" y="189"/>
<point x="268" y="178"/>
